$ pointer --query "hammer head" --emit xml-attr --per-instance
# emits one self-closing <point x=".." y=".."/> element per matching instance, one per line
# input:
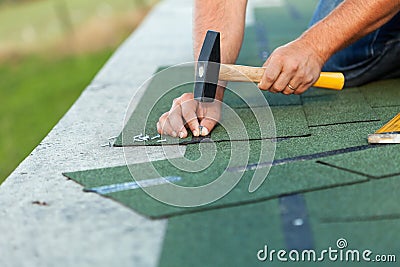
<point x="207" y="70"/>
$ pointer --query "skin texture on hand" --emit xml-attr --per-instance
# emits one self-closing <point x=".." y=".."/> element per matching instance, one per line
<point x="287" y="65"/>
<point x="187" y="112"/>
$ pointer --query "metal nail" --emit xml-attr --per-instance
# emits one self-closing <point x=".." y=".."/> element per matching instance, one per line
<point x="200" y="130"/>
<point x="155" y="137"/>
<point x="105" y="145"/>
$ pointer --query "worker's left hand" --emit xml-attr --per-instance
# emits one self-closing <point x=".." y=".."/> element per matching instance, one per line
<point x="199" y="117"/>
<point x="291" y="69"/>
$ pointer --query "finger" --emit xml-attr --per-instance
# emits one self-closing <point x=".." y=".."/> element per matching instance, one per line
<point x="186" y="97"/>
<point x="179" y="105"/>
<point x="189" y="107"/>
<point x="288" y="91"/>
<point x="159" y="129"/>
<point x="271" y="73"/>
<point x="189" y="115"/>
<point x="206" y="125"/>
<point x="161" y="122"/>
<point x="306" y="83"/>
<point x="210" y="109"/>
<point x="166" y="127"/>
<point x="183" y="133"/>
<point x="176" y="122"/>
<point x="281" y="82"/>
<point x="291" y="87"/>
<point x="212" y="114"/>
<point x="201" y="111"/>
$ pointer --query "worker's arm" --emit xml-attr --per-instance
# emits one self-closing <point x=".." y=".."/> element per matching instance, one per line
<point x="223" y="16"/>
<point x="228" y="18"/>
<point x="299" y="63"/>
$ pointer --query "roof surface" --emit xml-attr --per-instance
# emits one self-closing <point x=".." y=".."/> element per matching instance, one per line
<point x="326" y="183"/>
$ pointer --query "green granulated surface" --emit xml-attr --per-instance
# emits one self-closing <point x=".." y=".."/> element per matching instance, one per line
<point x="341" y="107"/>
<point x="282" y="179"/>
<point x="187" y="243"/>
<point x="161" y="90"/>
<point x="378" y="162"/>
<point x="258" y="123"/>
<point x="382" y="93"/>
<point x="386" y="114"/>
<point x="367" y="201"/>
<point x="277" y="33"/>
<point x="326" y="138"/>
<point x="234" y="236"/>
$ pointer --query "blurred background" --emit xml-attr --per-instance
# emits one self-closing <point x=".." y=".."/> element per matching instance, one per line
<point x="49" y="52"/>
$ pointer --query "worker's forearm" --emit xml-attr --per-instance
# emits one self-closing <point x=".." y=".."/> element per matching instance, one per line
<point x="225" y="17"/>
<point x="349" y="22"/>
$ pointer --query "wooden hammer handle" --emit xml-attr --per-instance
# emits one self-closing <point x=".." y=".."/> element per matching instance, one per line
<point x="239" y="73"/>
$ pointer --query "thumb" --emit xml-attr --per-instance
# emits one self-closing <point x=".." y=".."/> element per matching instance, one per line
<point x="208" y="125"/>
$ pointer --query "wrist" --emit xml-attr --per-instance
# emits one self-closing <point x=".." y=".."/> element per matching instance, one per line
<point x="323" y="49"/>
<point x="219" y="94"/>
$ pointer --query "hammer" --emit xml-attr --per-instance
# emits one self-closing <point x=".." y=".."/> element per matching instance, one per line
<point x="207" y="75"/>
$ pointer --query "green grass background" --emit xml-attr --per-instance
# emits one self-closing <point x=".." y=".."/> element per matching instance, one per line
<point x="46" y="22"/>
<point x="38" y="82"/>
<point x="35" y="92"/>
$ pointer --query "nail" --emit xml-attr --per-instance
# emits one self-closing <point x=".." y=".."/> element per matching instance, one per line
<point x="195" y="133"/>
<point x="155" y="137"/>
<point x="173" y="134"/>
<point x="181" y="134"/>
<point x="137" y="136"/>
<point x="204" y="131"/>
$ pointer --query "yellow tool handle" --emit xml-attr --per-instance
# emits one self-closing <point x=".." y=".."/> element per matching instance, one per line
<point x="330" y="80"/>
<point x="239" y="73"/>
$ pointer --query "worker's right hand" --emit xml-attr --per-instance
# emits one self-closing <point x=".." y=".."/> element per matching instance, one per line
<point x="189" y="113"/>
<point x="292" y="68"/>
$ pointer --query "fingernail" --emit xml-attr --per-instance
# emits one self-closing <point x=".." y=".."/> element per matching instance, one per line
<point x="181" y="134"/>
<point x="173" y="134"/>
<point x="204" y="131"/>
<point x="195" y="133"/>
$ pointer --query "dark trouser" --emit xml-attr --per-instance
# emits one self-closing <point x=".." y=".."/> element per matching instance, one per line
<point x="374" y="57"/>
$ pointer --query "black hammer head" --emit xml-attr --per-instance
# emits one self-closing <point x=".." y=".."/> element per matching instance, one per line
<point x="207" y="70"/>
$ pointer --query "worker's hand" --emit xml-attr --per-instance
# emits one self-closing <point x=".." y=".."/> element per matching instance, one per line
<point x="291" y="69"/>
<point x="189" y="113"/>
